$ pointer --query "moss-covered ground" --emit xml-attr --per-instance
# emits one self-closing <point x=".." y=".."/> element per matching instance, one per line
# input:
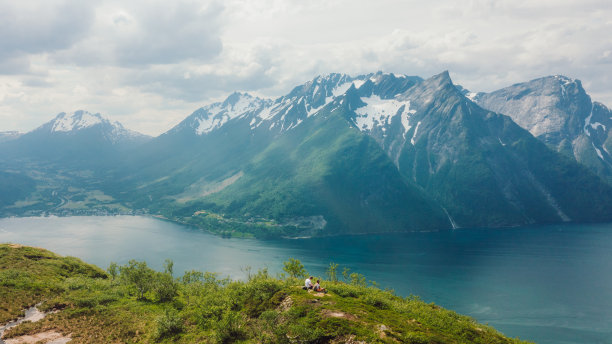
<point x="134" y="304"/>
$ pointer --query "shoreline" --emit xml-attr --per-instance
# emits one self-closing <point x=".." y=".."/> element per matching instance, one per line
<point x="308" y="237"/>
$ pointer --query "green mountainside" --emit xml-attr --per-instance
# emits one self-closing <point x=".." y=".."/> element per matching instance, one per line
<point x="422" y="156"/>
<point x="134" y="304"/>
<point x="337" y="155"/>
<point x="14" y="187"/>
<point x="329" y="171"/>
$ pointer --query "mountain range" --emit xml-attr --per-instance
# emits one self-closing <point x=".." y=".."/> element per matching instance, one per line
<point x="337" y="155"/>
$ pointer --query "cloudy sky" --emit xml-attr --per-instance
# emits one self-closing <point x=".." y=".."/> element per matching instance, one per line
<point x="149" y="64"/>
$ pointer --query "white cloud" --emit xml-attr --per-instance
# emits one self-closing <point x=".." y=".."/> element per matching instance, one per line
<point x="30" y="28"/>
<point x="132" y="34"/>
<point x="150" y="64"/>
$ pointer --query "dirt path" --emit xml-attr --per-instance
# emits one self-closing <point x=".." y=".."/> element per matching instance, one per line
<point x="32" y="314"/>
<point x="48" y="337"/>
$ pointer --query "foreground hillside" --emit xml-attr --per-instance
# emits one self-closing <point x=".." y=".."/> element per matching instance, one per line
<point x="134" y="304"/>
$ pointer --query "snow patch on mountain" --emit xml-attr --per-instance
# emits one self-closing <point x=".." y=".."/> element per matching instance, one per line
<point x="597" y="125"/>
<point x="341" y="89"/>
<point x="358" y="83"/>
<point x="416" y="130"/>
<point x="312" y="111"/>
<point x="336" y="92"/>
<point x="304" y="101"/>
<point x="206" y="125"/>
<point x="75" y="121"/>
<point x="587" y="121"/>
<point x="380" y="112"/>
<point x="216" y="115"/>
<point x="599" y="154"/>
<point x="268" y="112"/>
<point x="405" y="117"/>
<point x="471" y="95"/>
<point x="564" y="82"/>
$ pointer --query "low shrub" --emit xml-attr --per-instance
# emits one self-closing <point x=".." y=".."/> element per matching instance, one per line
<point x="169" y="324"/>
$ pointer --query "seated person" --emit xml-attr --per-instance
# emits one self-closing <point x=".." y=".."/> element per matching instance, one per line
<point x="317" y="287"/>
<point x="308" y="283"/>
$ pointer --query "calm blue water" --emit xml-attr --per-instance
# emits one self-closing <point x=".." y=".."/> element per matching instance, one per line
<point x="549" y="284"/>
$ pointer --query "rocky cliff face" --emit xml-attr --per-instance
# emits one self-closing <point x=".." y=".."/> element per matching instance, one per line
<point x="558" y="111"/>
<point x="483" y="168"/>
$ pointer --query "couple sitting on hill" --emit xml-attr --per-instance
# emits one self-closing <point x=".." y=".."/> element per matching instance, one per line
<point x="317" y="287"/>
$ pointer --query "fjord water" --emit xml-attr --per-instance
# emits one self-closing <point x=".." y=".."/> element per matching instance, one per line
<point x="548" y="284"/>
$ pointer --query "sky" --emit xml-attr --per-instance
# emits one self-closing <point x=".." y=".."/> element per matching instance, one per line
<point x="149" y="64"/>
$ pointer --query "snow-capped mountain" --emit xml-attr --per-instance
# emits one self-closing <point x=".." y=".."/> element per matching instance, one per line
<point x="81" y="121"/>
<point x="474" y="167"/>
<point x="557" y="110"/>
<point x="214" y="116"/>
<point x="289" y="111"/>
<point x="302" y="102"/>
<point x="72" y="139"/>
<point x="76" y="121"/>
<point x="277" y="115"/>
<point x="341" y="154"/>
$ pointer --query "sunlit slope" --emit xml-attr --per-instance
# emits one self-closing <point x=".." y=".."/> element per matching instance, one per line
<point x="328" y="168"/>
<point x="135" y="304"/>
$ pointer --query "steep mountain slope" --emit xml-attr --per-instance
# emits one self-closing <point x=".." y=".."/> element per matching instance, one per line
<point x="294" y="160"/>
<point x="211" y="144"/>
<point x="327" y="170"/>
<point x="231" y="131"/>
<point x="558" y="111"/>
<point x="482" y="167"/>
<point x="377" y="152"/>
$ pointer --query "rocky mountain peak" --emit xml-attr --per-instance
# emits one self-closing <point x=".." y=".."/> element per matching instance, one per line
<point x="80" y="121"/>
<point x="557" y="110"/>
<point x="77" y="120"/>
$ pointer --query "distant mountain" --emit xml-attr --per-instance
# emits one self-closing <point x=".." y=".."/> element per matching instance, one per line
<point x="82" y="122"/>
<point x="558" y="111"/>
<point x="65" y="166"/>
<point x="76" y="139"/>
<point x="337" y="155"/>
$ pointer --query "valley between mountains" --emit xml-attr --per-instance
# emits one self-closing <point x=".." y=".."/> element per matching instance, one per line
<point x="337" y="155"/>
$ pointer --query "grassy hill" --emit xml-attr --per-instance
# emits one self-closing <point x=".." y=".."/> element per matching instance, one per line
<point x="134" y="304"/>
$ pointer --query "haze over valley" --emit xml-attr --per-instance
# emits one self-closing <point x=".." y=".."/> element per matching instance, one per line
<point x="338" y="154"/>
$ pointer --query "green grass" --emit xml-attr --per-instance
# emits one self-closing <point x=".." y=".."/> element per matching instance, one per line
<point x="135" y="304"/>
